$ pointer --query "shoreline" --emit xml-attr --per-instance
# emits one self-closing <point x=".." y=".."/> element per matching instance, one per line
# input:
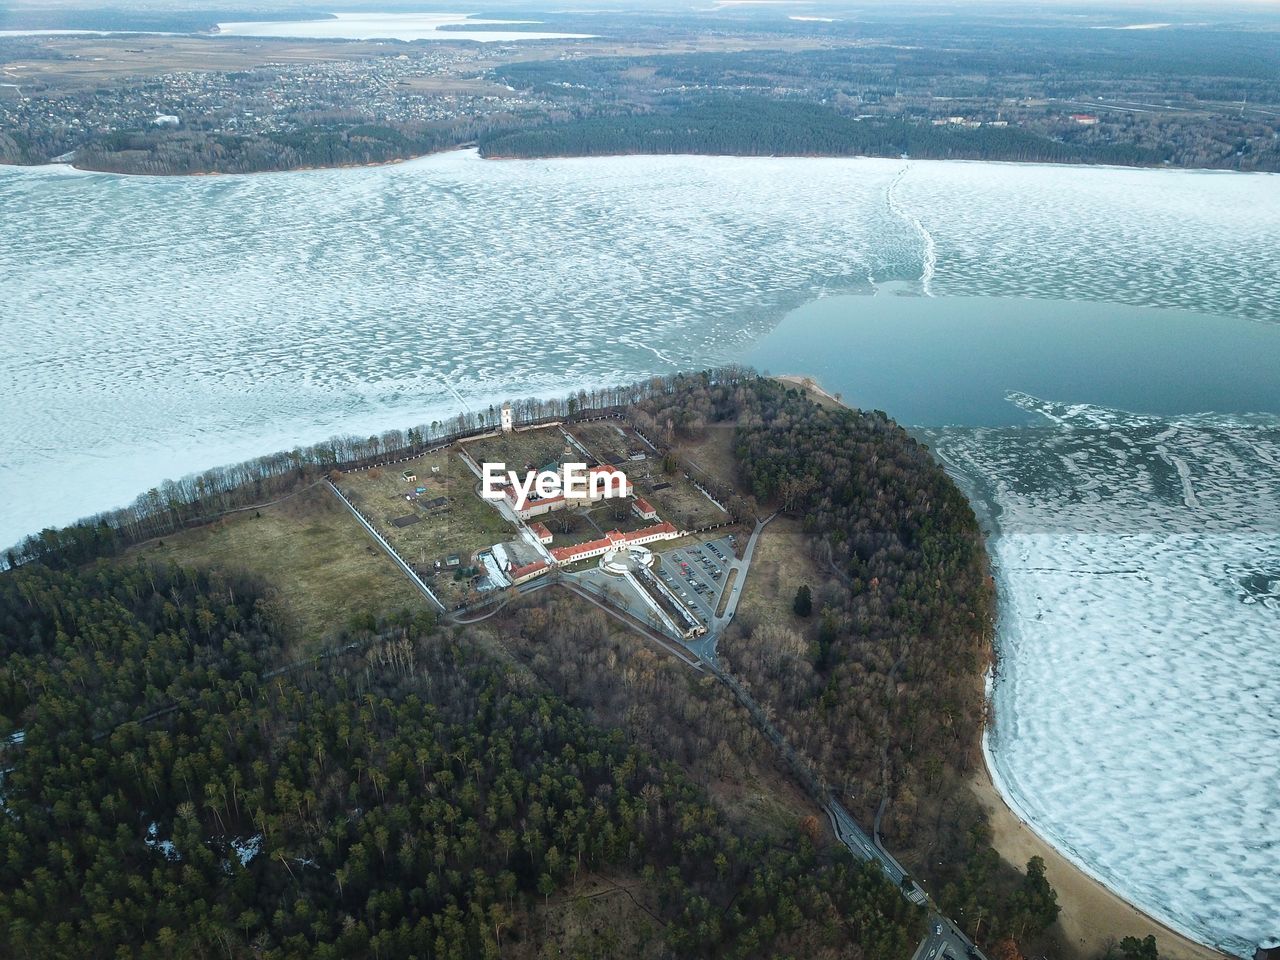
<point x="812" y="385"/>
<point x="1094" y="915"/>
<point x="615" y="156"/>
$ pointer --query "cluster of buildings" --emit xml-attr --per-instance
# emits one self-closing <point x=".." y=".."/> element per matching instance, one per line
<point x="273" y="98"/>
<point x="615" y="540"/>
<point x="967" y="122"/>
<point x="623" y="554"/>
<point x="519" y="565"/>
<point x="601" y="482"/>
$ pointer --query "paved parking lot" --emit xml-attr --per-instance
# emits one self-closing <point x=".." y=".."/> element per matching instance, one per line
<point x="697" y="575"/>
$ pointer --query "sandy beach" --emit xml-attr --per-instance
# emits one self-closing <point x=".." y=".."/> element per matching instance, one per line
<point x="1092" y="915"/>
<point x="808" y="383"/>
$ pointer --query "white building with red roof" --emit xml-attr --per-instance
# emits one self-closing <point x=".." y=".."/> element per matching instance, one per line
<point x="643" y="509"/>
<point x="612" y="541"/>
<point x="522" y="574"/>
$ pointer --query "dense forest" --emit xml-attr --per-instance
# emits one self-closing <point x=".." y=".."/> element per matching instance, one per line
<point x="880" y="685"/>
<point x="336" y="145"/>
<point x="168" y="790"/>
<point x="758" y="127"/>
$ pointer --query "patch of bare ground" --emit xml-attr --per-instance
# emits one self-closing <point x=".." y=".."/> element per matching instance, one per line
<point x="712" y="453"/>
<point x="607" y="914"/>
<point x="317" y="561"/>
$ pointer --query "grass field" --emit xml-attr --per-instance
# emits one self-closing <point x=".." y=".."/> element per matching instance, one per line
<point x="712" y="453"/>
<point x="608" y="441"/>
<point x="780" y="565"/>
<point x="460" y="528"/>
<point x="318" y="562"/>
<point x="614" y="514"/>
<point x="682" y="503"/>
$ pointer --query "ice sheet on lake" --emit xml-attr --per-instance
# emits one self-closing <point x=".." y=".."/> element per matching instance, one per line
<point x="154" y="326"/>
<point x="1137" y="718"/>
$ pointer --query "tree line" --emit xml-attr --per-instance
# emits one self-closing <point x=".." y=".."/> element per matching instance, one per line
<point x="194" y="150"/>
<point x="199" y="497"/>
<point x="751" y="126"/>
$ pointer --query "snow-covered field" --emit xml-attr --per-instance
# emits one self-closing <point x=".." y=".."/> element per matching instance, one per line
<point x="154" y="326"/>
<point x="1137" y="714"/>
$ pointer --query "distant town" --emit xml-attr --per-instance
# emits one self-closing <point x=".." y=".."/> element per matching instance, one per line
<point x="1093" y="91"/>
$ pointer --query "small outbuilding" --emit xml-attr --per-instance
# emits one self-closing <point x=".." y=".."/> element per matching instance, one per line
<point x="643" y="509"/>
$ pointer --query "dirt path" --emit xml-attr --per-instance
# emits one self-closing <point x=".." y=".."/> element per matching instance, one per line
<point x="1092" y="915"/>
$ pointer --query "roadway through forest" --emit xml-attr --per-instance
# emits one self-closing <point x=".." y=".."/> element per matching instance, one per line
<point x="943" y="939"/>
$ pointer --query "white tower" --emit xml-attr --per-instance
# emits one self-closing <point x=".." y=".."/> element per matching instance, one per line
<point x="507" y="426"/>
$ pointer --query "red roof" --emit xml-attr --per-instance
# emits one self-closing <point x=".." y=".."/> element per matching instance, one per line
<point x="664" y="527"/>
<point x="614" y="538"/>
<point x="515" y="573"/>
<point x="572" y="553"/>
<point x="540" y="531"/>
<point x="644" y="506"/>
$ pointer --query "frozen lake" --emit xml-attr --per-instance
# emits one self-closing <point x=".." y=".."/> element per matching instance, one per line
<point x="155" y="326"/>
<point x="390" y="26"/>
<point x="1137" y="720"/>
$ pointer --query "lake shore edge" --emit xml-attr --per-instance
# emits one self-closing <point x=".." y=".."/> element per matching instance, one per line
<point x="498" y="158"/>
<point x="1093" y="913"/>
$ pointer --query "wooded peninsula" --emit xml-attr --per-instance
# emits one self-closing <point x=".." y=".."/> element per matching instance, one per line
<point x="216" y="744"/>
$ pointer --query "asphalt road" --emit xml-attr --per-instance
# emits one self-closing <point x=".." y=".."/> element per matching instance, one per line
<point x="944" y="940"/>
<point x="735" y="593"/>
